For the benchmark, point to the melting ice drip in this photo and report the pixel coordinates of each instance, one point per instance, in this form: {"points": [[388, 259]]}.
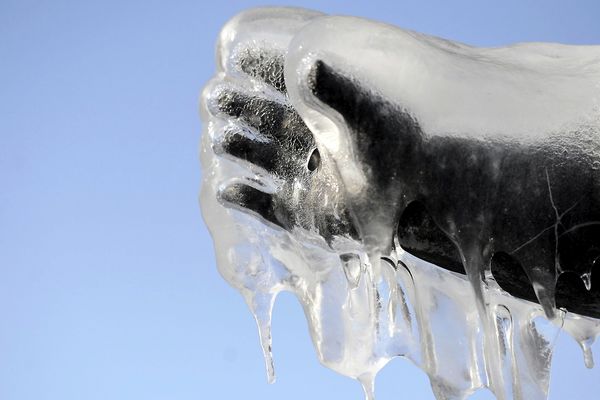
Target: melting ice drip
{"points": [[421, 198]]}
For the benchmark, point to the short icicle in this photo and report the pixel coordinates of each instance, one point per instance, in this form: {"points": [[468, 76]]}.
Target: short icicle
{"points": [[261, 305]]}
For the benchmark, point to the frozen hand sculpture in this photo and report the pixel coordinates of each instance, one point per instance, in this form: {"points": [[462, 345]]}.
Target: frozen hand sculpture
{"points": [[422, 198]]}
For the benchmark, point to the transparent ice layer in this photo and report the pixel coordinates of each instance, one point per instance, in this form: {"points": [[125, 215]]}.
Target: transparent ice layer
{"points": [[421, 198]]}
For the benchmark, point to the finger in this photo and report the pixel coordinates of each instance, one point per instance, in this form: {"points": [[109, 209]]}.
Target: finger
{"points": [[511, 277], [361, 107], [420, 236], [376, 124], [263, 64], [265, 116], [265, 27], [260, 152], [334, 89], [251, 199]]}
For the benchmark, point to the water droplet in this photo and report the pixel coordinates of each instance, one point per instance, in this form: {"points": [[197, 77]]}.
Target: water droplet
{"points": [[587, 280]]}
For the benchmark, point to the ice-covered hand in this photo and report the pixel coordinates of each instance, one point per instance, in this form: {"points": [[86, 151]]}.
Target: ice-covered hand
{"points": [[386, 142], [266, 133]]}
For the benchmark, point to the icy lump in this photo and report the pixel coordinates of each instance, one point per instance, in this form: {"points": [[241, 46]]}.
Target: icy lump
{"points": [[421, 198]]}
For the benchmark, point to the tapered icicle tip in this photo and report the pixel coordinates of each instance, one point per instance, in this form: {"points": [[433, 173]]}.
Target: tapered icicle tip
{"points": [[368, 384], [261, 305], [588, 356], [270, 366], [546, 299], [264, 331]]}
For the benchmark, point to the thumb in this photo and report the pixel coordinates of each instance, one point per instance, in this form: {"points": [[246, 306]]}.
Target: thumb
{"points": [[369, 138]]}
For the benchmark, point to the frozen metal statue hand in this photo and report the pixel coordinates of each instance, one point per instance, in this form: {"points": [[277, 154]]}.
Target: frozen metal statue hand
{"points": [[384, 175], [524, 203]]}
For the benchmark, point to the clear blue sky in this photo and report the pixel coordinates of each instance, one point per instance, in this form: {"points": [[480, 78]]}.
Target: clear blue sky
{"points": [[108, 288]]}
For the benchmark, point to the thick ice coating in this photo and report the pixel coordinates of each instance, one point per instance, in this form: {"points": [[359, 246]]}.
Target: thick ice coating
{"points": [[421, 198]]}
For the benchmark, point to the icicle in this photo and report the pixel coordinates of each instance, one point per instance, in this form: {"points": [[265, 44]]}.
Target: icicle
{"points": [[261, 305], [368, 384], [588, 356], [504, 326], [545, 296], [584, 331]]}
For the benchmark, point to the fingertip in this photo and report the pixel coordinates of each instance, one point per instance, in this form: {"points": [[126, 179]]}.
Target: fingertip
{"points": [[248, 198], [245, 196], [273, 25], [261, 153], [314, 76], [215, 96], [262, 64], [331, 86]]}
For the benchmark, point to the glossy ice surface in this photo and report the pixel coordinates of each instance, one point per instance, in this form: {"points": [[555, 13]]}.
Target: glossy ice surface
{"points": [[421, 198]]}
